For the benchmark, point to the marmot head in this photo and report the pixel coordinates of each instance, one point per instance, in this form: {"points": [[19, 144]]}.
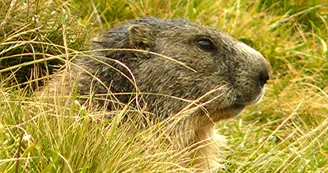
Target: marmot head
{"points": [[227, 74]]}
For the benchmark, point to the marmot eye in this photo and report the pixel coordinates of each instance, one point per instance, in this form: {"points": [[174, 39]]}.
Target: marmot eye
{"points": [[206, 45]]}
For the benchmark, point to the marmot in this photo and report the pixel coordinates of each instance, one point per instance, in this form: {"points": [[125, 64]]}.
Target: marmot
{"points": [[171, 65]]}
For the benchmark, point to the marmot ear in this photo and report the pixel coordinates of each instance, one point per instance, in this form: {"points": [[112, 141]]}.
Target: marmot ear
{"points": [[141, 36]]}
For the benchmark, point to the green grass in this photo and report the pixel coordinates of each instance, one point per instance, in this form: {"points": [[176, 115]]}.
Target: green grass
{"points": [[286, 132]]}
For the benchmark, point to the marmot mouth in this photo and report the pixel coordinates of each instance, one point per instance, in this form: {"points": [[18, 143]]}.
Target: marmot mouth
{"points": [[243, 102], [258, 98], [238, 106], [229, 112]]}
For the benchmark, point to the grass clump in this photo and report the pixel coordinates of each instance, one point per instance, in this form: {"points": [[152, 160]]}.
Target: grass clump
{"points": [[33, 33], [72, 140], [286, 132]]}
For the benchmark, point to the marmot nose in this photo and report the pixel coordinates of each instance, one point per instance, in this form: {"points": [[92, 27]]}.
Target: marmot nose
{"points": [[263, 77]]}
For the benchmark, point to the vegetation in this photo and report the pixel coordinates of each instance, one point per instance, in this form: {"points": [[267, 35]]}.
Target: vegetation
{"points": [[286, 132]]}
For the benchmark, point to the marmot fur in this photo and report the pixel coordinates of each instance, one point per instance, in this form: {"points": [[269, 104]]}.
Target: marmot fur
{"points": [[166, 66]]}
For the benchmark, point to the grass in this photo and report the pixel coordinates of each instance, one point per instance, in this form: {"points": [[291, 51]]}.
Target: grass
{"points": [[286, 132]]}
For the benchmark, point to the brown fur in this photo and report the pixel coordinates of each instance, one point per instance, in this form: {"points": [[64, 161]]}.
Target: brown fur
{"points": [[173, 70]]}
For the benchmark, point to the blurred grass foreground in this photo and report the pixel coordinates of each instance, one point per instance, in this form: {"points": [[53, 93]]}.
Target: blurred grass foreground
{"points": [[286, 132]]}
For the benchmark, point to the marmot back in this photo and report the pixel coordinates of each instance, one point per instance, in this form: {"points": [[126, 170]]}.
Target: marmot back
{"points": [[171, 64]]}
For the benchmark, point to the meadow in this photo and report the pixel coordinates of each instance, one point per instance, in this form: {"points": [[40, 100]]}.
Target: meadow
{"points": [[286, 132]]}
